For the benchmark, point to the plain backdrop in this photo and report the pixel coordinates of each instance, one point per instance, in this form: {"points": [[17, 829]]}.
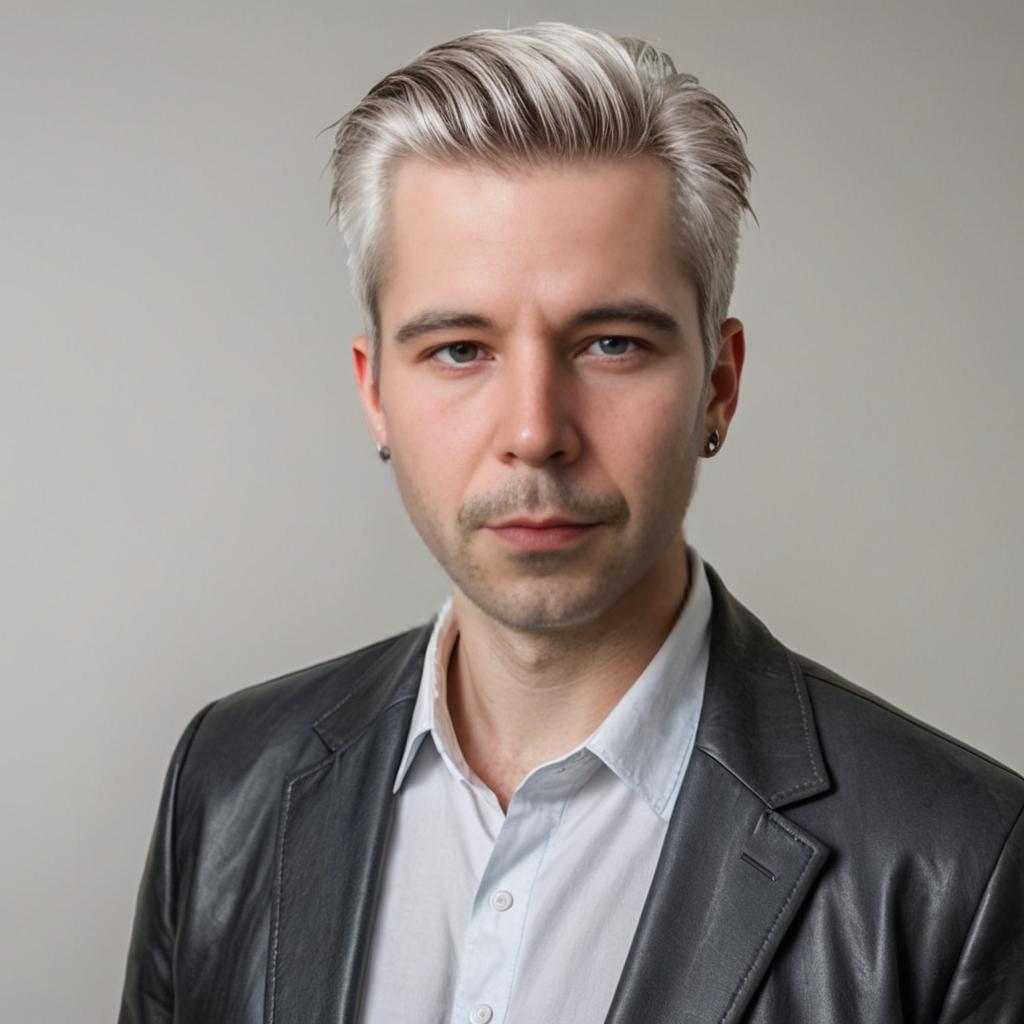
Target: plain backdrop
{"points": [[191, 503]]}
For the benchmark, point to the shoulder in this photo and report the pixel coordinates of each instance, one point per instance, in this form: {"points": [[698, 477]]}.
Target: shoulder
{"points": [[902, 774], [298, 698], [272, 725], [926, 840]]}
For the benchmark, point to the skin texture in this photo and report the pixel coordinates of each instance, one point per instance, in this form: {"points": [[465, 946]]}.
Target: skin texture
{"points": [[534, 414]]}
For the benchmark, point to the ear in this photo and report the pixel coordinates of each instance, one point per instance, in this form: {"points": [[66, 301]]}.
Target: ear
{"points": [[723, 390], [369, 392]]}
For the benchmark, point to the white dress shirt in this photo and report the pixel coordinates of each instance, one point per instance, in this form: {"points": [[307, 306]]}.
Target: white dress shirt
{"points": [[527, 917]]}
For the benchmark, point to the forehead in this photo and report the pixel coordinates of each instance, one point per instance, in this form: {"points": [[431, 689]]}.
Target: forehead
{"points": [[556, 234]]}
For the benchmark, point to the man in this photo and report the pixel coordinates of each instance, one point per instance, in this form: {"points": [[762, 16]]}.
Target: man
{"points": [[595, 787]]}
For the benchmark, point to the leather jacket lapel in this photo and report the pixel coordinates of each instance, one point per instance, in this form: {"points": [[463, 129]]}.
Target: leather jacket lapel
{"points": [[733, 871], [334, 829], [730, 879]]}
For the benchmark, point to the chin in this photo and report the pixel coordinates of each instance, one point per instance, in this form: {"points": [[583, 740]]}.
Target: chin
{"points": [[541, 606]]}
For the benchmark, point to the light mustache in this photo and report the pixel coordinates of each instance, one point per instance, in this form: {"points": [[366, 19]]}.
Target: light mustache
{"points": [[541, 497]]}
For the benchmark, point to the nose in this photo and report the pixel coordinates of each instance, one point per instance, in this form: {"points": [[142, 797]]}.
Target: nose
{"points": [[536, 408]]}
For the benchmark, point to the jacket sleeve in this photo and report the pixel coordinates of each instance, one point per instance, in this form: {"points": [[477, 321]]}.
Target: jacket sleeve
{"points": [[148, 995], [987, 986]]}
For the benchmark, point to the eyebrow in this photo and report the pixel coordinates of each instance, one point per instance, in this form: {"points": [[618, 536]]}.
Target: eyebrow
{"points": [[440, 320], [635, 311]]}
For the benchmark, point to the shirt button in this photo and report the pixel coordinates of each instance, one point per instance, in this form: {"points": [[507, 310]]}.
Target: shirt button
{"points": [[501, 899], [480, 1014]]}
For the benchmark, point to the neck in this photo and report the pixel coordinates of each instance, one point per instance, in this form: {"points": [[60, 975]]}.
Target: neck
{"points": [[519, 699]]}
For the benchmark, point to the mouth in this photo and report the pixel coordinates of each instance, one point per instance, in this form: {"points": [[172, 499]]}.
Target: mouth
{"points": [[547, 534], [538, 524]]}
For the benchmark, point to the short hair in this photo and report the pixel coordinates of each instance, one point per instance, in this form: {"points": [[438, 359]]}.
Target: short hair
{"points": [[548, 92]]}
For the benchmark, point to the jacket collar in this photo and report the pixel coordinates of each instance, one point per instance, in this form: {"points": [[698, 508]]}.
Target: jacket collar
{"points": [[388, 682], [732, 875], [757, 720]]}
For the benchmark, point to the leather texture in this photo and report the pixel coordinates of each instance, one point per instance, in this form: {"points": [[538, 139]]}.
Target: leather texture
{"points": [[829, 859]]}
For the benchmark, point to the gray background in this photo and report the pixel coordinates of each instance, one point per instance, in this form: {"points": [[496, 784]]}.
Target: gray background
{"points": [[191, 503]]}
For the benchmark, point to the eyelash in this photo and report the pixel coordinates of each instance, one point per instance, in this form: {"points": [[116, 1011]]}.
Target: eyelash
{"points": [[635, 342]]}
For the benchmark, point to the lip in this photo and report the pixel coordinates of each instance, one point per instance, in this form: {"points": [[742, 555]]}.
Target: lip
{"points": [[541, 534], [538, 524]]}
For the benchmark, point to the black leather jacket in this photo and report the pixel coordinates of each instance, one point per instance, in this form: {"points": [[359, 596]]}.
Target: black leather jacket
{"points": [[829, 859]]}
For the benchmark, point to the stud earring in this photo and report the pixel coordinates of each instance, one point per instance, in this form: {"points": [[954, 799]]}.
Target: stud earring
{"points": [[384, 452], [713, 444]]}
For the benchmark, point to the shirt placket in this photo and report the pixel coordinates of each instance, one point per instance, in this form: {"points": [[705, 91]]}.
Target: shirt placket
{"points": [[501, 906]]}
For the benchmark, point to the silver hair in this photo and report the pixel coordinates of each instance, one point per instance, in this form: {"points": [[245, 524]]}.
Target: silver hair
{"points": [[513, 97]]}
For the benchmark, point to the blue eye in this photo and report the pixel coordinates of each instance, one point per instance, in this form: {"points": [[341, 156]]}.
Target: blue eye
{"points": [[459, 353], [614, 345]]}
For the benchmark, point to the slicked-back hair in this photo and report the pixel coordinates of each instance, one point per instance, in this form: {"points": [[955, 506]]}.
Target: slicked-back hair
{"points": [[513, 98]]}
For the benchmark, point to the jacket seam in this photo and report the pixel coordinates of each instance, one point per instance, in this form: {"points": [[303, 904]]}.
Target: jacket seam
{"points": [[917, 723], [282, 845], [817, 777], [977, 909], [721, 764], [363, 683], [369, 725], [358, 689], [279, 890]]}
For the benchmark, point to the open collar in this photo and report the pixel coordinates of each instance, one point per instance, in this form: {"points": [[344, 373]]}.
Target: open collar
{"points": [[732, 874], [756, 718], [646, 739]]}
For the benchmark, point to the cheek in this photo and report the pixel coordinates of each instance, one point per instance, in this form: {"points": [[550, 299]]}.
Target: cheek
{"points": [[649, 427], [432, 452], [426, 415], [446, 426], [654, 449]]}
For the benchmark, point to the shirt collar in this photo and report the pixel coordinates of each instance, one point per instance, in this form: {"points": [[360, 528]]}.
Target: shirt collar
{"points": [[430, 714], [648, 736], [645, 740]]}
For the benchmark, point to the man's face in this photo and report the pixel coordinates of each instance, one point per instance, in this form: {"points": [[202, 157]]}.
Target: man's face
{"points": [[540, 364]]}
